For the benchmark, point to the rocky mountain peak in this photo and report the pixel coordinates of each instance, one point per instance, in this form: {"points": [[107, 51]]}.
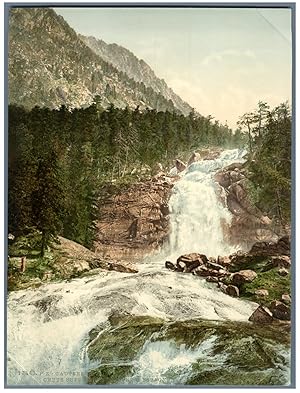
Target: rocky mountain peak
{"points": [[51, 65]]}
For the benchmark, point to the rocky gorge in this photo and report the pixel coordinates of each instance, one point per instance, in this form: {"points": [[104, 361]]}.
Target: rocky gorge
{"points": [[135, 321]]}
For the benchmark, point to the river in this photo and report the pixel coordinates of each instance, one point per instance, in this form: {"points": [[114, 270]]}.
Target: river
{"points": [[155, 327]]}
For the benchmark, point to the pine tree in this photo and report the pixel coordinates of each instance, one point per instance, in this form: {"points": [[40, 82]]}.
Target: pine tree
{"points": [[48, 199]]}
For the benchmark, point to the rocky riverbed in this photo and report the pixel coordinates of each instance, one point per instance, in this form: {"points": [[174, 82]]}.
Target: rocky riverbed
{"points": [[261, 275]]}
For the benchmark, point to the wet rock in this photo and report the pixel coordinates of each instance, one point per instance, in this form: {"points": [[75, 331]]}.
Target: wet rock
{"points": [[224, 261], [232, 290], [170, 265], [261, 293], [280, 310], [180, 165], [285, 298], [189, 267], [212, 279], [213, 265], [222, 286], [223, 178], [179, 269], [223, 272], [194, 158], [191, 261], [243, 276], [122, 268], [261, 315], [201, 271], [283, 272], [47, 302]]}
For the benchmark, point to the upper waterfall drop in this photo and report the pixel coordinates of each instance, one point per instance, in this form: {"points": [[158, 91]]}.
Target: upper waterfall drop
{"points": [[197, 216]]}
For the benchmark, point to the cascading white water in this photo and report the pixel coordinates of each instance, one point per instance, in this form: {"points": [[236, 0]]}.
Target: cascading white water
{"points": [[48, 327], [197, 214]]}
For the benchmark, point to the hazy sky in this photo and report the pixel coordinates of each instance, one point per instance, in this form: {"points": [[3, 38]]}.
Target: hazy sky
{"points": [[221, 61]]}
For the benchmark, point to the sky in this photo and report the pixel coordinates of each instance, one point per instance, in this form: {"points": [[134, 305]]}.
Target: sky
{"points": [[221, 61]]}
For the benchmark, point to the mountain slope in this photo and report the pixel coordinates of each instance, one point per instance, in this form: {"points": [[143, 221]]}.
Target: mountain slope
{"points": [[49, 65], [137, 69]]}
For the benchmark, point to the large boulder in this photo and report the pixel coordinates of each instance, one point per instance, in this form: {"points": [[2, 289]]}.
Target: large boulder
{"points": [[223, 178], [180, 166], [282, 247], [232, 290], [194, 158], [261, 315], [170, 265], [280, 310], [243, 276], [122, 268], [191, 261], [224, 261]]}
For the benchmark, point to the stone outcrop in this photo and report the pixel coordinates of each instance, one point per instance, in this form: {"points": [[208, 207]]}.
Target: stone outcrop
{"points": [[73, 70], [280, 310], [75, 259], [135, 221], [249, 224], [269, 252], [281, 247], [243, 276], [188, 262], [261, 315]]}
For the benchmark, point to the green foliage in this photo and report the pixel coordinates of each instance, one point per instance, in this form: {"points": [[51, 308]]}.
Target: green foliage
{"points": [[60, 160], [270, 280], [26, 245], [269, 164]]}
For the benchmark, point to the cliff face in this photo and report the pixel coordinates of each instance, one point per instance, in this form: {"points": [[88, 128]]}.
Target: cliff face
{"points": [[134, 222], [249, 224], [49, 65], [125, 61]]}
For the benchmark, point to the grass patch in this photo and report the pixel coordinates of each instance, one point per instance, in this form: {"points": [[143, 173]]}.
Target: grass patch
{"points": [[270, 280]]}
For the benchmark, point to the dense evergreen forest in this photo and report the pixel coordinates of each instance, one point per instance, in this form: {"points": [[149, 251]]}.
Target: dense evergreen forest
{"points": [[60, 160], [269, 139]]}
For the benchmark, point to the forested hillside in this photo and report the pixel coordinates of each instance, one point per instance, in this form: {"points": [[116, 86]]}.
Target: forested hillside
{"points": [[137, 69], [49, 65], [59, 160], [270, 142]]}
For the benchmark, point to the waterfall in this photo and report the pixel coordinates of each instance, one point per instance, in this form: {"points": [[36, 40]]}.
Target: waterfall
{"points": [[197, 214], [49, 340]]}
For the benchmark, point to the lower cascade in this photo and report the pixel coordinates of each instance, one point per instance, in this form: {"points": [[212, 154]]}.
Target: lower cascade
{"points": [[153, 327]]}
